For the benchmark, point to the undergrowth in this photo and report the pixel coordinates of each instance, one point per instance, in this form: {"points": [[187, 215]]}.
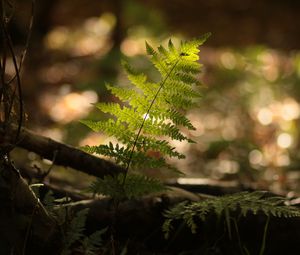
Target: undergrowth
{"points": [[148, 115], [243, 202]]}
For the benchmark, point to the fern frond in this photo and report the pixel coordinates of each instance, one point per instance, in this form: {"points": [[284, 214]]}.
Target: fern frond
{"points": [[245, 202], [150, 143], [91, 244], [181, 102], [124, 114], [111, 128], [118, 153], [139, 185], [190, 49], [150, 111], [75, 230], [108, 186], [94, 125], [179, 119], [189, 67], [171, 47], [150, 50], [186, 78], [178, 87], [121, 154], [159, 128], [135, 186]]}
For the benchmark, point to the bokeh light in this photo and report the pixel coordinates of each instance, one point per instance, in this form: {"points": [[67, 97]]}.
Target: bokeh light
{"points": [[284, 140], [265, 116]]}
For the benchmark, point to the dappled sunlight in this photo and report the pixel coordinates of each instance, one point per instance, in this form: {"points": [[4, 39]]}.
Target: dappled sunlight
{"points": [[246, 122], [205, 181], [270, 64], [93, 139], [290, 109], [71, 106], [256, 158], [212, 121], [92, 38], [286, 110], [220, 168], [265, 116], [228, 166], [229, 128], [119, 111], [284, 140], [283, 159], [57, 38], [56, 134], [228, 60], [197, 122], [59, 72], [132, 47]]}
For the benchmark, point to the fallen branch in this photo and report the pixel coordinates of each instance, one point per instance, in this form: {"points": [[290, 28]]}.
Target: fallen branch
{"points": [[61, 154], [140, 221], [26, 227]]}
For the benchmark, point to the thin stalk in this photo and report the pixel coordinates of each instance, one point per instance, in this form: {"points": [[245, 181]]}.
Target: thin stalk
{"points": [[23, 55], [144, 120], [15, 64], [3, 63], [263, 245]]}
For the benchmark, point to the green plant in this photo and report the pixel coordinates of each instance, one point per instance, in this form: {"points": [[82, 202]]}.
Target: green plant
{"points": [[88, 245], [72, 225], [243, 202], [149, 113]]}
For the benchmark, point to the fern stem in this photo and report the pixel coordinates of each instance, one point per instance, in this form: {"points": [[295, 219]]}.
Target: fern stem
{"points": [[263, 245], [144, 119]]}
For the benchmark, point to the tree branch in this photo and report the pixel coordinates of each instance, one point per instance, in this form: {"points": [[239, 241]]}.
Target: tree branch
{"points": [[26, 227], [61, 154]]}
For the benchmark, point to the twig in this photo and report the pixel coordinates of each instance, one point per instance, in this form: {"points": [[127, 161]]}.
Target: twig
{"points": [[65, 155]]}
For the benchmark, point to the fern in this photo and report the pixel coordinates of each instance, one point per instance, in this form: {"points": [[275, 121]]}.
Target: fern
{"points": [[134, 186], [245, 202], [88, 245], [49, 201], [149, 114], [91, 244], [75, 230]]}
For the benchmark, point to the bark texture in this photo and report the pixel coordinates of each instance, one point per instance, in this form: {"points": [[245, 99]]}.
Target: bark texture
{"points": [[59, 153], [26, 227]]}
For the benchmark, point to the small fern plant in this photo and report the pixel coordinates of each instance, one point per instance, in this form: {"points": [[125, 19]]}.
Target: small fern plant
{"points": [[72, 226], [148, 114], [74, 233], [242, 202]]}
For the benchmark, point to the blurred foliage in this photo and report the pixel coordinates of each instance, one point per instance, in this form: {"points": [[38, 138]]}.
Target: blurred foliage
{"points": [[247, 121], [249, 114]]}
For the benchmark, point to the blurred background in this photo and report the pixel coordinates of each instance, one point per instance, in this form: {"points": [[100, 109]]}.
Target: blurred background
{"points": [[247, 121]]}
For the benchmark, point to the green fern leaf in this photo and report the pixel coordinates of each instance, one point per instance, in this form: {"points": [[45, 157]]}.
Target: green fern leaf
{"points": [[75, 230], [140, 185], [134, 186], [171, 47], [150, 50], [244, 202], [91, 244], [149, 113]]}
